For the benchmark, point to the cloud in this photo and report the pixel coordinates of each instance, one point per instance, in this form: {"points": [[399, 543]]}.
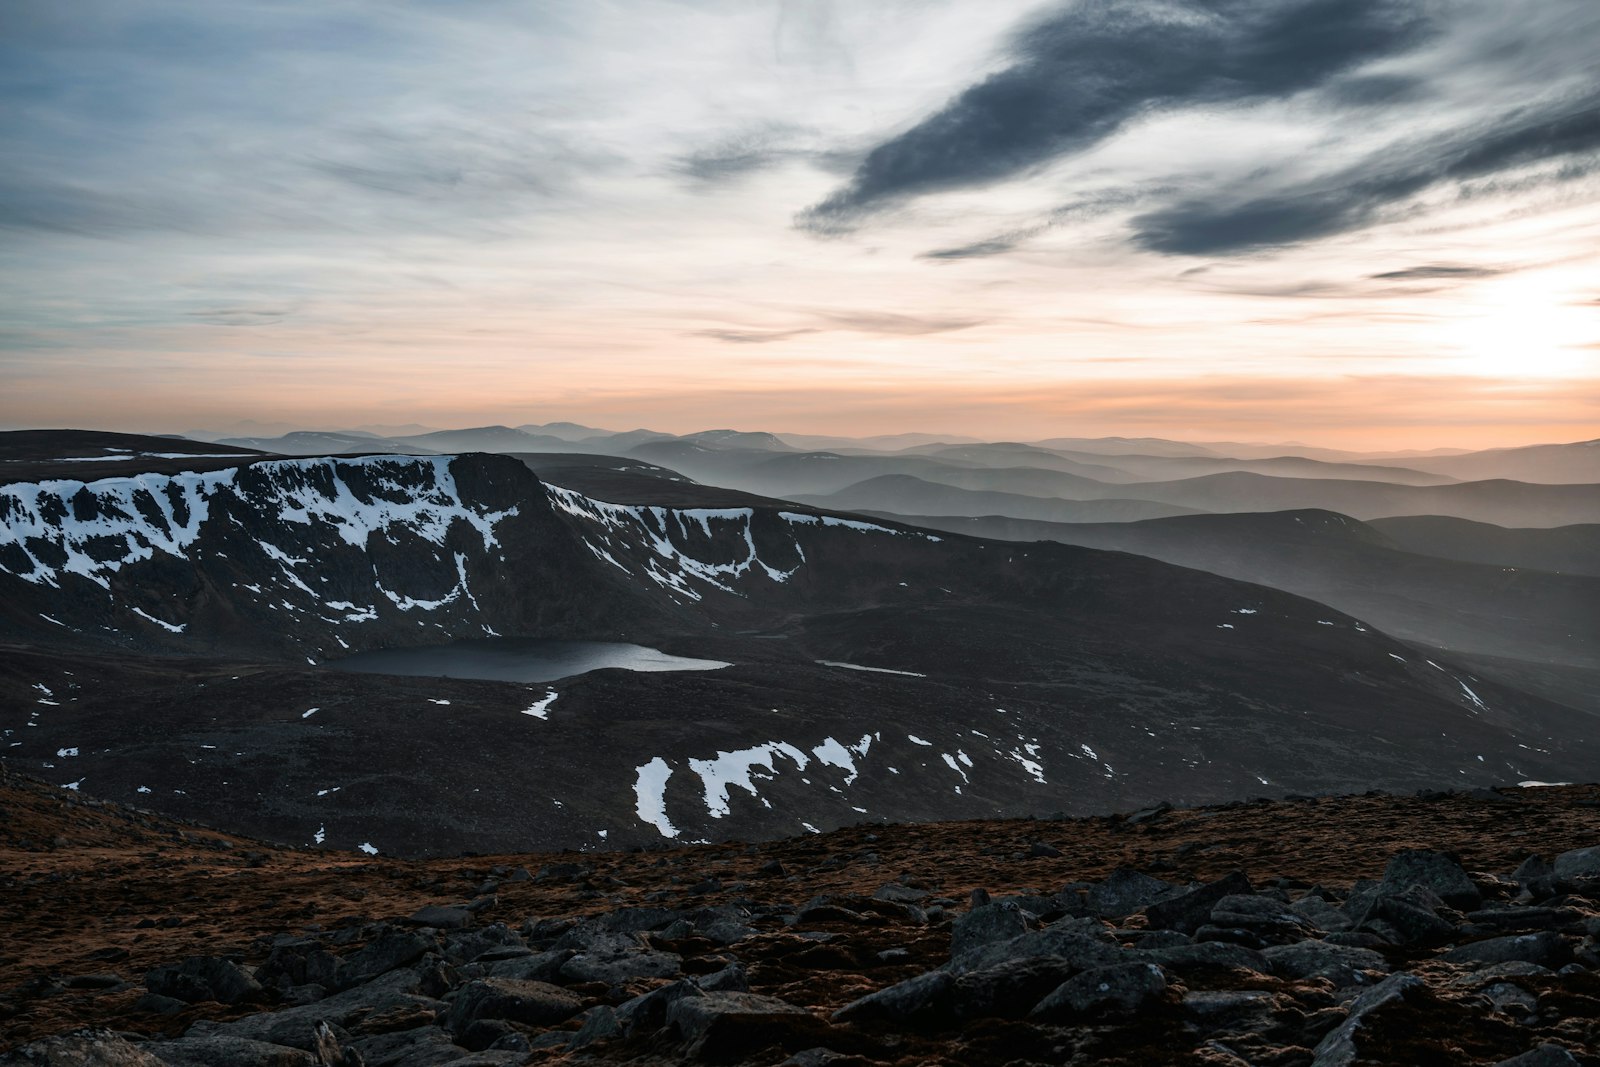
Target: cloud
{"points": [[908, 325], [1358, 196], [740, 154], [994, 246], [751, 337], [1434, 271], [1082, 74], [882, 322]]}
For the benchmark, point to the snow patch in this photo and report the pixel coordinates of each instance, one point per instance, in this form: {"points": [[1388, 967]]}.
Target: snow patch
{"points": [[874, 670], [734, 769], [541, 707], [649, 790]]}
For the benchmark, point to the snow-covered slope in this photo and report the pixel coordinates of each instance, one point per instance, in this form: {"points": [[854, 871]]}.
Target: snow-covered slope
{"points": [[319, 554]]}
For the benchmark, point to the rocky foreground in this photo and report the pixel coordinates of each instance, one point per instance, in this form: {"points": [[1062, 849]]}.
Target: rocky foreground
{"points": [[1446, 928]]}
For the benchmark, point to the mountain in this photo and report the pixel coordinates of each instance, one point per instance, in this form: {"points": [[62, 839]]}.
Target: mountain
{"points": [[1561, 549], [567, 431], [1142, 446], [901, 494], [326, 443], [1500, 502], [31, 455], [1464, 607], [484, 439], [892, 442], [1578, 462], [168, 641], [736, 439]]}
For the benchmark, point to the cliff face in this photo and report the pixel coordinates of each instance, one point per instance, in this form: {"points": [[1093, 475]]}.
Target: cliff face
{"points": [[305, 556]]}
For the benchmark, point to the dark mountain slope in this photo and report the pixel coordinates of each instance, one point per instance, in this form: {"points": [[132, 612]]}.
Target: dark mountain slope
{"points": [[1561, 549], [877, 671], [1526, 614]]}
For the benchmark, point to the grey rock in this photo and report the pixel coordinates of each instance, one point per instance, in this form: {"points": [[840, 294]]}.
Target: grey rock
{"points": [[218, 1050], [1543, 1056], [900, 894], [423, 1046], [296, 1026], [1008, 990], [1117, 992], [1340, 1048], [1208, 955], [1342, 965], [1215, 1006], [1319, 912], [1547, 949], [1577, 869], [1071, 943], [390, 950], [925, 998], [1408, 915], [81, 1048], [201, 978], [1511, 999], [600, 1023], [619, 965], [532, 1003], [731, 979], [540, 967], [1124, 891], [649, 1012], [696, 1017], [1190, 909], [1436, 872], [986, 924]]}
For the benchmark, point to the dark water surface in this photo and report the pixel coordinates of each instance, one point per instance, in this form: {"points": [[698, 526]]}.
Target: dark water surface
{"points": [[516, 659]]}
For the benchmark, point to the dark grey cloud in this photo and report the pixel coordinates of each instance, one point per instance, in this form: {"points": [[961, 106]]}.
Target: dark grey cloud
{"points": [[1355, 197], [994, 246], [1432, 271], [1081, 74]]}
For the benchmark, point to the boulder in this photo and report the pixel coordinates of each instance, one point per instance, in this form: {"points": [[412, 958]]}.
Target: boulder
{"points": [[986, 924], [1341, 1046], [1190, 909], [1116, 992], [1577, 869], [1204, 956], [1543, 1056], [441, 917], [1124, 891], [1436, 872], [220, 1050], [82, 1048], [530, 1003], [1546, 949], [1343, 965], [924, 999], [201, 978], [1008, 990], [390, 950], [1071, 943]]}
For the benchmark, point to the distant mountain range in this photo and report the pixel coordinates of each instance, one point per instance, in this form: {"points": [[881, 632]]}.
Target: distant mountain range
{"points": [[168, 637]]}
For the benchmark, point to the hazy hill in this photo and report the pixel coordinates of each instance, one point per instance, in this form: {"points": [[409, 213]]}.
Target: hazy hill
{"points": [[905, 495], [1525, 614], [326, 443], [1564, 463], [1560, 549]]}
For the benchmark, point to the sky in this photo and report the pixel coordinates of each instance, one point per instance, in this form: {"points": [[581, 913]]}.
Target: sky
{"points": [[1358, 223]]}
